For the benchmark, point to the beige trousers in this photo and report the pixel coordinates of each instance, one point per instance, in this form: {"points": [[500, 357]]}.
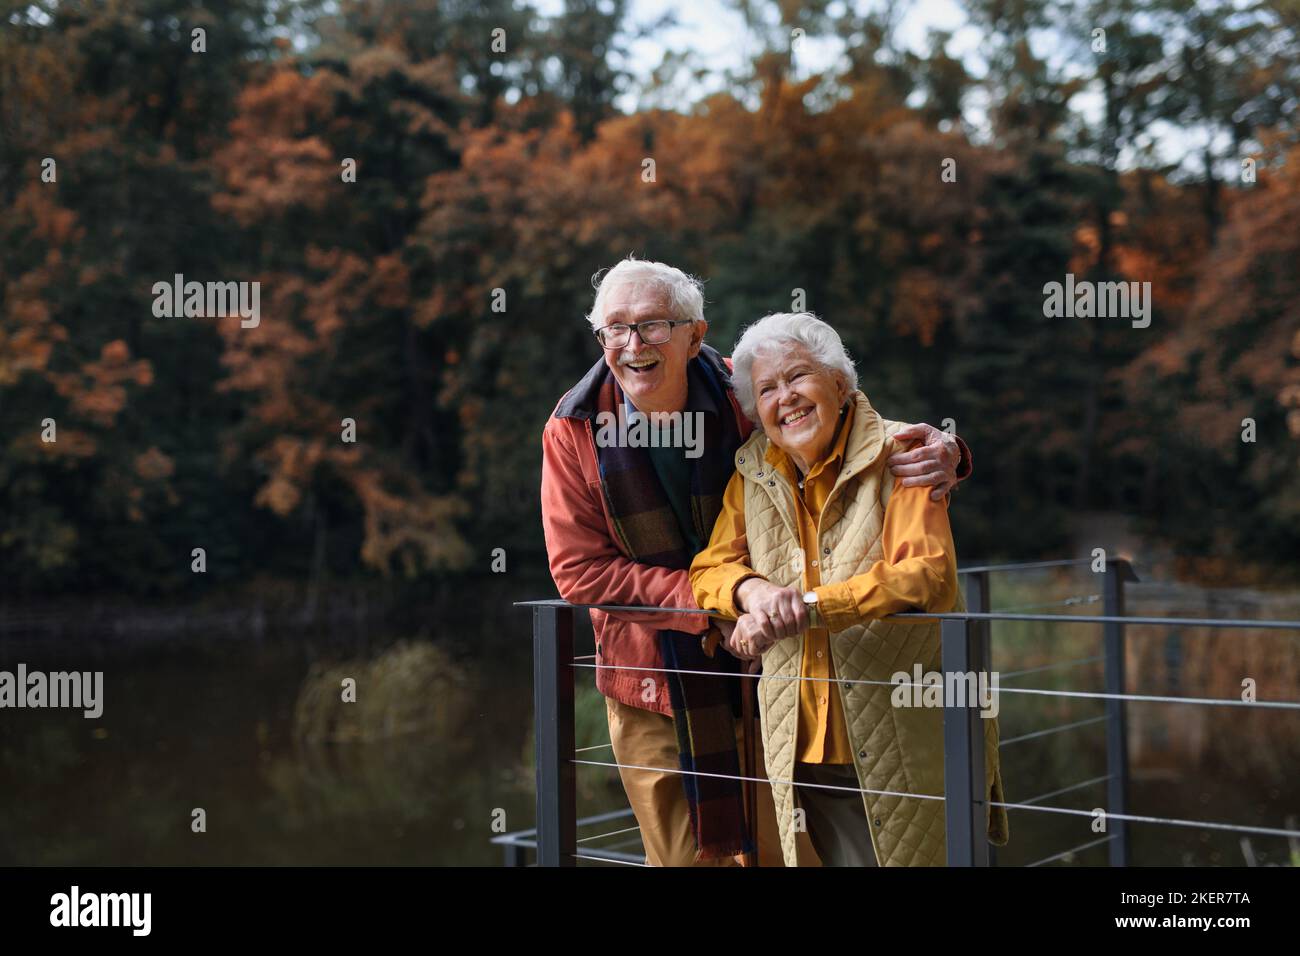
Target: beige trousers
{"points": [[647, 739]]}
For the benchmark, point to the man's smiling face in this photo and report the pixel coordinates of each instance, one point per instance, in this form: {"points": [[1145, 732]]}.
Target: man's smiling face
{"points": [[652, 376]]}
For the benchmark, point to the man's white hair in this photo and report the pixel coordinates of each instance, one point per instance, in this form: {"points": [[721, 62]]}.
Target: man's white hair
{"points": [[685, 293], [775, 333]]}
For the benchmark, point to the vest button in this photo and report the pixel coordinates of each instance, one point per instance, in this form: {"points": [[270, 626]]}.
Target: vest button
{"points": [[826, 551], [741, 460], [771, 484], [877, 821]]}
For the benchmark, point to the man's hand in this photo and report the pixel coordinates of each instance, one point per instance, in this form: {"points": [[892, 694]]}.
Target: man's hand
{"points": [[933, 462], [777, 612]]}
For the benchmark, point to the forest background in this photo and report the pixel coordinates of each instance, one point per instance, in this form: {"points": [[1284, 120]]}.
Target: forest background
{"points": [[1168, 153]]}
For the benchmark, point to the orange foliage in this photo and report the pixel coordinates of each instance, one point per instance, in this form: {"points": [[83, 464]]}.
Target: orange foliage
{"points": [[269, 167]]}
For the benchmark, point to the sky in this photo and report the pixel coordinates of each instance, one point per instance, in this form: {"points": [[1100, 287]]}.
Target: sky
{"points": [[715, 33]]}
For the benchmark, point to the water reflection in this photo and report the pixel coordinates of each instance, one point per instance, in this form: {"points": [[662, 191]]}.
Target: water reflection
{"points": [[259, 737], [395, 752]]}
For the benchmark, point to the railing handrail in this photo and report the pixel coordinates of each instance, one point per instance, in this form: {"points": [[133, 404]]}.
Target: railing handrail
{"points": [[965, 616], [1033, 565], [1094, 619]]}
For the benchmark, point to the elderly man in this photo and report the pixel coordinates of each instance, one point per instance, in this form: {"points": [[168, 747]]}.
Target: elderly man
{"points": [[623, 520]]}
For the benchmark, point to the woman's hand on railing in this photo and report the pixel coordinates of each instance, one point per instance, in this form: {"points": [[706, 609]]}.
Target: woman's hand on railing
{"points": [[778, 612], [741, 642], [724, 627], [748, 631]]}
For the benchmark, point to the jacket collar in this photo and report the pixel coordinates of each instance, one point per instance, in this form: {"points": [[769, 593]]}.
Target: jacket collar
{"points": [[865, 442], [581, 400]]}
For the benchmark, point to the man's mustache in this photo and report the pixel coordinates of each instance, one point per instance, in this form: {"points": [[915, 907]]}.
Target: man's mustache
{"points": [[623, 358]]}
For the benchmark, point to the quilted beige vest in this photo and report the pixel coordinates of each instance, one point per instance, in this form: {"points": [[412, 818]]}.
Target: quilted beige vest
{"points": [[896, 749]]}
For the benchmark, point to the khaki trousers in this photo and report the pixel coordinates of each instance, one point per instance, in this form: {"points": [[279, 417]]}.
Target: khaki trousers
{"points": [[648, 739]]}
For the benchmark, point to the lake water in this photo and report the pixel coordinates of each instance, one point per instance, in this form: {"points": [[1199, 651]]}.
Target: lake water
{"points": [[250, 728]]}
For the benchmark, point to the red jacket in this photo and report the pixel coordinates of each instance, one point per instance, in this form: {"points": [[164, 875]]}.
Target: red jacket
{"points": [[586, 562]]}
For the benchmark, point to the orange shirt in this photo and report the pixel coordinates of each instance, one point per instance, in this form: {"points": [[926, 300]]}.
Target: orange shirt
{"points": [[918, 569]]}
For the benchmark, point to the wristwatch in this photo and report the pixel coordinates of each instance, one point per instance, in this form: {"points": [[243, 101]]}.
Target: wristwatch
{"points": [[810, 602]]}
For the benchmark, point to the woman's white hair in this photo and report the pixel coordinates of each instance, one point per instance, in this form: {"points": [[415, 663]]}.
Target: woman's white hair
{"points": [[685, 293], [775, 333]]}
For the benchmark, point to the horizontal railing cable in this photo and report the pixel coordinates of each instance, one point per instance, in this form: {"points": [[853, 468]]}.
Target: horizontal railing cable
{"points": [[1052, 730], [729, 776], [1144, 698], [1156, 698], [1076, 662], [1074, 786], [632, 841], [1165, 821], [917, 616], [1026, 566], [913, 617], [605, 859], [1129, 817], [1065, 853], [520, 837], [601, 836]]}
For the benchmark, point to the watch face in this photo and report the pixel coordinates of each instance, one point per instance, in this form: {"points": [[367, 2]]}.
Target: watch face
{"points": [[810, 597]]}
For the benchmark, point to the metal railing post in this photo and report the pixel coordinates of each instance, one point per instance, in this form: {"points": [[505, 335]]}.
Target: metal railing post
{"points": [[978, 602], [557, 796], [515, 855], [1117, 572], [965, 798]]}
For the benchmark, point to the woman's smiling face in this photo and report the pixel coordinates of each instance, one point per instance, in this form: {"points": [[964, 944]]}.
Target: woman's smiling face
{"points": [[799, 401]]}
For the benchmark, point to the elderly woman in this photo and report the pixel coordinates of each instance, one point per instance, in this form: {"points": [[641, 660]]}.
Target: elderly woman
{"points": [[814, 544]]}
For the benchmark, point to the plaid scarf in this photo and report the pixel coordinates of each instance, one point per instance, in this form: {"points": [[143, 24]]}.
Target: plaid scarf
{"points": [[704, 707]]}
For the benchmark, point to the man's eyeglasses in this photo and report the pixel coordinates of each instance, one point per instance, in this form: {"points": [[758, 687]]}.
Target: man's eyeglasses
{"points": [[652, 332]]}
